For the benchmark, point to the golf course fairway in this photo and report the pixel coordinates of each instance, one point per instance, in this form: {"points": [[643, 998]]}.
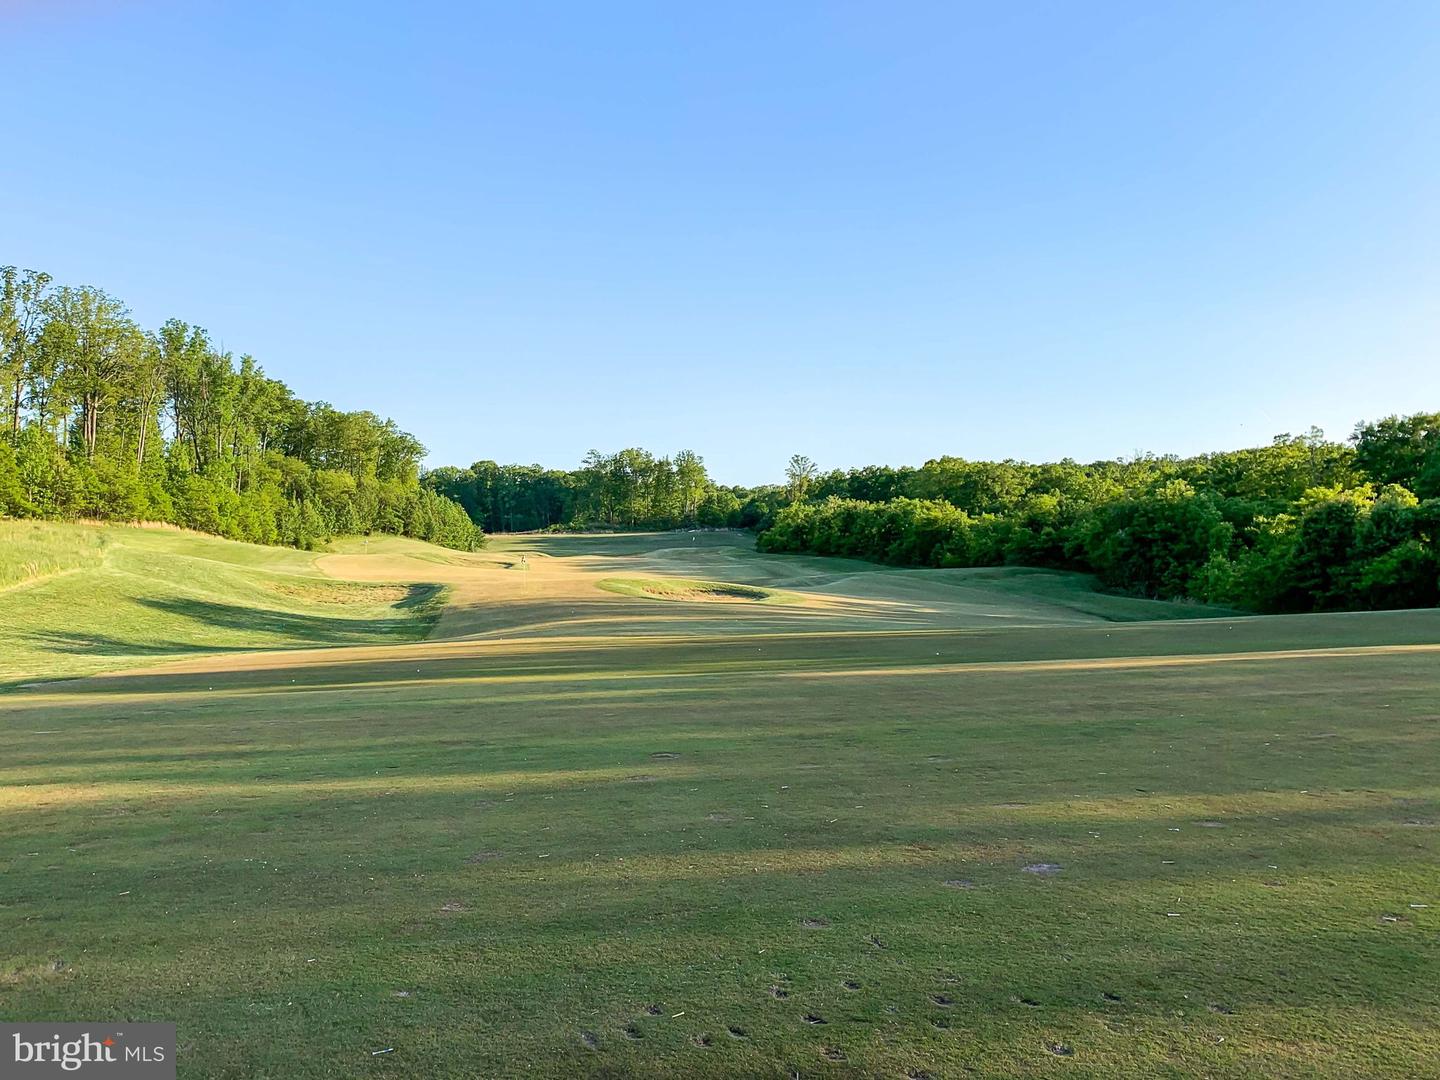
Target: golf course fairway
{"points": [[399, 811]]}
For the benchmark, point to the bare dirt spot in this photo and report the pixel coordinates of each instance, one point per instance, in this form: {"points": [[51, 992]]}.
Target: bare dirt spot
{"points": [[1042, 869], [1211, 824], [632, 1032], [401, 993], [1059, 1049], [814, 923], [851, 985], [664, 755], [702, 1042], [941, 1000], [832, 1053], [1221, 1008], [811, 1018], [779, 993], [344, 592], [959, 883], [640, 778], [737, 1032], [721, 818], [590, 1040], [687, 589], [877, 942], [483, 856], [653, 1010], [450, 907]]}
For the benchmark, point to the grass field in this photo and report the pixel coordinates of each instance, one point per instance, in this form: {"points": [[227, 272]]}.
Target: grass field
{"points": [[85, 598], [911, 823]]}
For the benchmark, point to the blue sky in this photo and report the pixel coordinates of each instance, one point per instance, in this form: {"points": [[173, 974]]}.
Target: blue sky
{"points": [[866, 232]]}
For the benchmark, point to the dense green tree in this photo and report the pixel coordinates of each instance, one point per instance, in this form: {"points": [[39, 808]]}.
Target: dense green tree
{"points": [[1402, 450], [1302, 524], [22, 309], [107, 421]]}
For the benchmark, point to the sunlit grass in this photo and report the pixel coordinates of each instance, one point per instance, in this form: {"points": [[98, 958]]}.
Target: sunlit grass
{"points": [[87, 598], [482, 853]]}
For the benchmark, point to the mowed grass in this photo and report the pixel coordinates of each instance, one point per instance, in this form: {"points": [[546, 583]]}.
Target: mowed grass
{"points": [[691, 589], [84, 598], [1095, 849]]}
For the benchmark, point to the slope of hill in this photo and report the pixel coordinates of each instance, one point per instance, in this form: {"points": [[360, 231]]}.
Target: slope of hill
{"points": [[84, 598]]}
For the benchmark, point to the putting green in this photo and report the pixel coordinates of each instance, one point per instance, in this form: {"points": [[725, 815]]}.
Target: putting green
{"points": [[920, 823]]}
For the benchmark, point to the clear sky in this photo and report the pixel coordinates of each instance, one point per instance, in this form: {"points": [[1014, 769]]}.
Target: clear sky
{"points": [[872, 232]]}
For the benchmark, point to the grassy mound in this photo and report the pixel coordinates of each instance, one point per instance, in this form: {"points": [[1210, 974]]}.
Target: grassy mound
{"points": [[693, 590], [87, 598]]}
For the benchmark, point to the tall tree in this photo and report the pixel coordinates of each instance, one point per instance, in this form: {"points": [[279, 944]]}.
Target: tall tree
{"points": [[800, 473], [22, 309], [96, 345]]}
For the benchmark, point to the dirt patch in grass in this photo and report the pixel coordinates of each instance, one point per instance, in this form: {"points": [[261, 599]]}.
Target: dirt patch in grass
{"points": [[691, 589], [360, 594]]}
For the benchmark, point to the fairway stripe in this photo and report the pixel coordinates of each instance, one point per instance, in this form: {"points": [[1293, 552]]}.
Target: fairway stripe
{"points": [[1122, 663]]}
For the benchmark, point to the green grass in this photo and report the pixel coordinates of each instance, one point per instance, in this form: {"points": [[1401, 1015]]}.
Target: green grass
{"points": [[481, 853], [87, 598]]}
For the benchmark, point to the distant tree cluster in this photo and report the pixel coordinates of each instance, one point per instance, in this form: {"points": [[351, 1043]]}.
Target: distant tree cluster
{"points": [[1301, 525], [629, 489], [105, 420]]}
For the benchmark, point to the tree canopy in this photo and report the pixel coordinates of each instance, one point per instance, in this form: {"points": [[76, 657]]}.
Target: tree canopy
{"points": [[106, 420], [1303, 524]]}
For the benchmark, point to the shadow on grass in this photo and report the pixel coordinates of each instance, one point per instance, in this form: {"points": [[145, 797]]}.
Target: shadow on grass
{"points": [[252, 628]]}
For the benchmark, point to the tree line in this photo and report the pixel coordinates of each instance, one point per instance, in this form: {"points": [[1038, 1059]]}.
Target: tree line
{"points": [[628, 489], [103, 419], [1304, 524], [100, 418]]}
